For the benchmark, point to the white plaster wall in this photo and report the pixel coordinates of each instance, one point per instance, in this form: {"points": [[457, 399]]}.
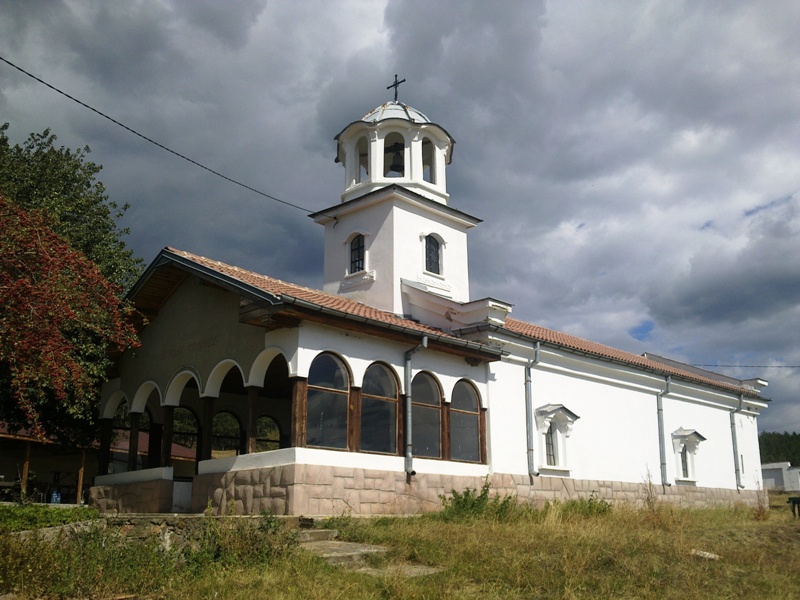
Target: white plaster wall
{"points": [[359, 351], [505, 419], [747, 439]]}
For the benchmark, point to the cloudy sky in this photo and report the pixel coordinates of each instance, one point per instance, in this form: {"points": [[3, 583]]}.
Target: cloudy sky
{"points": [[636, 164]]}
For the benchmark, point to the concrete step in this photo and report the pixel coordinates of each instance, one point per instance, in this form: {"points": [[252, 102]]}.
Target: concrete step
{"points": [[342, 553], [316, 535]]}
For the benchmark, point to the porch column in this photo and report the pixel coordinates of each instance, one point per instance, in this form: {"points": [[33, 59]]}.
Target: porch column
{"points": [[104, 454], [206, 426], [133, 441], [166, 437], [251, 426], [154, 446], [299, 412]]}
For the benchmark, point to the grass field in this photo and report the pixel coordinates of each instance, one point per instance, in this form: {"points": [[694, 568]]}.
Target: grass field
{"points": [[484, 548]]}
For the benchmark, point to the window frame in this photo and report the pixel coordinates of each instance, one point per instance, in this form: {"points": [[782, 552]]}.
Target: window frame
{"points": [[361, 254], [429, 240], [345, 394], [386, 399], [685, 443], [477, 414], [554, 422]]}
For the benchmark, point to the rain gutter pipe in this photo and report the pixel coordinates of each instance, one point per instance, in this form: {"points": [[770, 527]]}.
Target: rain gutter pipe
{"points": [[409, 467], [662, 448], [532, 472], [736, 465]]}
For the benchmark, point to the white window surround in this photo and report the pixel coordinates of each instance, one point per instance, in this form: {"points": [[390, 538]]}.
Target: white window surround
{"points": [[347, 252], [554, 423], [685, 443], [442, 245]]}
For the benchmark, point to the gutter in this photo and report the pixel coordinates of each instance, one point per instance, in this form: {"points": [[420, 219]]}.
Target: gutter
{"points": [[532, 472], [662, 446], [736, 465], [409, 439]]}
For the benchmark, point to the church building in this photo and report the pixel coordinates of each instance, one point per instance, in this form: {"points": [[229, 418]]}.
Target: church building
{"points": [[391, 386]]}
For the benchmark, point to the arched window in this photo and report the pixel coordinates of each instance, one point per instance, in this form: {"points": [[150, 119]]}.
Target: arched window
{"points": [[426, 402], [394, 156], [185, 426], [432, 255], [357, 254], [268, 434], [362, 148], [465, 432], [379, 411], [327, 396], [554, 423], [226, 435], [428, 161]]}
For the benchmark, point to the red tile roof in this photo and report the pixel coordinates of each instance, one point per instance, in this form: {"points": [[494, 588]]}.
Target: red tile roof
{"points": [[574, 343], [286, 292]]}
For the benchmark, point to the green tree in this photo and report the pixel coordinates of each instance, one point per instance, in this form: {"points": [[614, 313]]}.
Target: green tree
{"points": [[61, 182], [59, 317]]}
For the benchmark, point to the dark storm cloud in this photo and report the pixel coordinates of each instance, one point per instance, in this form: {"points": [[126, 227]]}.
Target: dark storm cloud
{"points": [[635, 163]]}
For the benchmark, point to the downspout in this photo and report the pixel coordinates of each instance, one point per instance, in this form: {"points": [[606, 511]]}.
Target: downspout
{"points": [[662, 447], [531, 438], [408, 437], [739, 485]]}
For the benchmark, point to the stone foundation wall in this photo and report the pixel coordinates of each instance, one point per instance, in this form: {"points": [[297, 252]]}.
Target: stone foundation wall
{"points": [[315, 490], [140, 497]]}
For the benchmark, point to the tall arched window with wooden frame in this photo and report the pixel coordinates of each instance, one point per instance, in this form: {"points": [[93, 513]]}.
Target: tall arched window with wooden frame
{"points": [[465, 423], [426, 419], [357, 255], [433, 255], [379, 402], [327, 395]]}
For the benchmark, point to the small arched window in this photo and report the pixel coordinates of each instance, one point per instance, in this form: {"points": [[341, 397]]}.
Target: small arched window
{"points": [[428, 161], [226, 435], [357, 254], [327, 395], [362, 148], [433, 263], [465, 432], [394, 156], [379, 411], [426, 401]]}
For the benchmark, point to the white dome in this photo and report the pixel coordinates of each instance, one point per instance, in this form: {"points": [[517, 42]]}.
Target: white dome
{"points": [[395, 110]]}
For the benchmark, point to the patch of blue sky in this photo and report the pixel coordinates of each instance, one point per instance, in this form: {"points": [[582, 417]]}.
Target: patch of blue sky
{"points": [[642, 331]]}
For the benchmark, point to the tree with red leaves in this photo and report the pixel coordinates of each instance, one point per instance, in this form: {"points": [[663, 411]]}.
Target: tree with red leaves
{"points": [[58, 317]]}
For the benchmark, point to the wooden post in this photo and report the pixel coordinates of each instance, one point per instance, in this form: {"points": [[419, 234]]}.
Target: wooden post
{"points": [[206, 429], [154, 446], [251, 427], [25, 468], [104, 455], [80, 477], [133, 441], [166, 436], [299, 412]]}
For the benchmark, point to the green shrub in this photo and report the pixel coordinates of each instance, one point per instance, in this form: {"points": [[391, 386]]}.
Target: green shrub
{"points": [[23, 517], [471, 504]]}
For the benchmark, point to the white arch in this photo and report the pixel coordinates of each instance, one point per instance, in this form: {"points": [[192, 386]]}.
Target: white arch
{"points": [[141, 396], [218, 373], [258, 370], [111, 404], [177, 383]]}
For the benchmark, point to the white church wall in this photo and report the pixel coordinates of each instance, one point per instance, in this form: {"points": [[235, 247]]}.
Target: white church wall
{"points": [[749, 451], [505, 419]]}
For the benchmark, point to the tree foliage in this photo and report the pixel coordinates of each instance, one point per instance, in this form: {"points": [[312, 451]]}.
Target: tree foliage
{"points": [[59, 317], [779, 447], [61, 182]]}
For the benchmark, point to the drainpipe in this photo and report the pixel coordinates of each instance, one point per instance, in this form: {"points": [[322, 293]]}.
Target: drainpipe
{"points": [[529, 412], [739, 485], [408, 437], [662, 448]]}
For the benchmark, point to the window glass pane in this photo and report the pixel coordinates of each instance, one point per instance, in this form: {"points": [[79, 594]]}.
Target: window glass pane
{"points": [[432, 254], [378, 425], [378, 381], [424, 390], [464, 397], [357, 254], [464, 437], [425, 431], [327, 419], [550, 446], [327, 372]]}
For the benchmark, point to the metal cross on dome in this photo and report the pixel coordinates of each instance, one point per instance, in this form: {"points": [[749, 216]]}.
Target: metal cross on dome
{"points": [[395, 85]]}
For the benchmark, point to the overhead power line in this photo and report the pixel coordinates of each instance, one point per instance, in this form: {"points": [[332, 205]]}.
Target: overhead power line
{"points": [[152, 141]]}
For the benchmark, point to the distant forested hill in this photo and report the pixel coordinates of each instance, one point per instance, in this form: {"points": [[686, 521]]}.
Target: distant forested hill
{"points": [[780, 447]]}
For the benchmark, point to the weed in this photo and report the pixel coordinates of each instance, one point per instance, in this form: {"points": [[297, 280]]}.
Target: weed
{"points": [[471, 504]]}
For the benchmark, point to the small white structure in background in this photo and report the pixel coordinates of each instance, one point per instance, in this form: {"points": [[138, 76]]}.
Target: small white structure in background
{"points": [[781, 476], [392, 386]]}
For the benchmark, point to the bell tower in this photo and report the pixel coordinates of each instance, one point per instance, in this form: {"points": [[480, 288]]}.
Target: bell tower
{"points": [[393, 229]]}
